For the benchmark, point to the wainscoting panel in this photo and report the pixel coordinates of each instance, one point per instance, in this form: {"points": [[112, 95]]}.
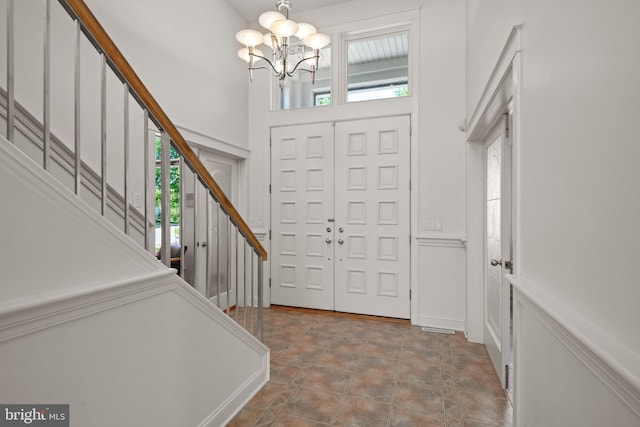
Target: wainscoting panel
{"points": [[442, 282], [566, 372]]}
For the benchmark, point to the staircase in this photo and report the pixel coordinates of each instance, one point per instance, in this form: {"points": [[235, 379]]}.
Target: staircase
{"points": [[89, 316]]}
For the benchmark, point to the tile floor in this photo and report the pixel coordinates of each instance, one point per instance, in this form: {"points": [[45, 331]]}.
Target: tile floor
{"points": [[333, 370]]}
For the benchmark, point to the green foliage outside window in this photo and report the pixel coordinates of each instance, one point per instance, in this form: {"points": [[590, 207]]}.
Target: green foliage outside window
{"points": [[174, 186]]}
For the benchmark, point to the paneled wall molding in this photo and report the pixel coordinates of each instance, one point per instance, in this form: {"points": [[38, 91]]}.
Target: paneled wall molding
{"points": [[16, 163], [21, 317], [28, 126], [441, 241], [201, 140], [491, 90], [608, 359]]}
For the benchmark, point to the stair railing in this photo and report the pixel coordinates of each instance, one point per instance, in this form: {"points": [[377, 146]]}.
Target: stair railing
{"points": [[239, 301]]}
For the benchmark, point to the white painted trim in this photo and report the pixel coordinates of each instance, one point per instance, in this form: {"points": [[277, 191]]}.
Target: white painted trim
{"points": [[21, 317], [495, 84], [617, 366], [442, 241], [502, 87], [443, 322], [211, 143], [223, 415], [37, 314]]}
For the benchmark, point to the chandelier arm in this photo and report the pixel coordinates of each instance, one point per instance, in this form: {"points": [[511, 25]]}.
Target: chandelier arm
{"points": [[290, 74], [271, 67]]}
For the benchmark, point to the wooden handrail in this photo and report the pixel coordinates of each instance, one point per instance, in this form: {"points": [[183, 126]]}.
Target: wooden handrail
{"points": [[99, 36]]}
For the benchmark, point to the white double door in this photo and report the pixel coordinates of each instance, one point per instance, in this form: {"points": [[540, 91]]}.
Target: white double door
{"points": [[341, 216]]}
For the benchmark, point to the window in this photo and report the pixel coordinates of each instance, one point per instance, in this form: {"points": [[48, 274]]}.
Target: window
{"points": [[378, 67], [174, 200], [299, 91]]}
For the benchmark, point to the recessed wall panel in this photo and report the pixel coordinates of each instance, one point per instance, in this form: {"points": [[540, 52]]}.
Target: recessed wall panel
{"points": [[387, 212], [288, 180], [315, 245], [357, 144], [288, 244], [388, 141], [315, 278], [288, 149], [356, 281], [287, 276], [388, 284], [357, 212], [388, 177], [288, 212], [315, 147], [357, 246], [315, 179], [388, 248], [315, 212], [357, 178]]}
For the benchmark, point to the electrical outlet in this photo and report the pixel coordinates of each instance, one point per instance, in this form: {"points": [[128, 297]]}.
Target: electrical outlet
{"points": [[432, 225]]}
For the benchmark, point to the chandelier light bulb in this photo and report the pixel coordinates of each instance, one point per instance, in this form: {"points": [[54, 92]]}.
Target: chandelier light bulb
{"points": [[249, 37], [284, 59], [317, 40], [244, 54], [284, 28], [268, 18], [305, 30]]}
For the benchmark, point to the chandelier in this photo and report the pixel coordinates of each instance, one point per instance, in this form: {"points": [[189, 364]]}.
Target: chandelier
{"points": [[305, 54]]}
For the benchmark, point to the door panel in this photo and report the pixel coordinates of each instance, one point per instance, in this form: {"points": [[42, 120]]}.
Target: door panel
{"points": [[373, 217], [360, 262], [301, 210], [498, 247]]}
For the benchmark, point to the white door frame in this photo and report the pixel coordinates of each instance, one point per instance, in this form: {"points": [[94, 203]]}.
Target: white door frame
{"points": [[201, 203], [503, 87], [413, 194]]}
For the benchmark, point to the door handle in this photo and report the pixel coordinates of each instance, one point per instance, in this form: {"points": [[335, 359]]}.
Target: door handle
{"points": [[508, 265], [340, 241], [328, 240]]}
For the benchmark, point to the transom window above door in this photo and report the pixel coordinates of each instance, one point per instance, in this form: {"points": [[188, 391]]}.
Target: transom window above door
{"points": [[366, 65], [377, 67]]}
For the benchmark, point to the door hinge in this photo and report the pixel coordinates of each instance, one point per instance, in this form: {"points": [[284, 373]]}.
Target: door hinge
{"points": [[269, 234], [507, 125], [409, 185], [410, 296], [506, 376], [269, 188], [269, 282]]}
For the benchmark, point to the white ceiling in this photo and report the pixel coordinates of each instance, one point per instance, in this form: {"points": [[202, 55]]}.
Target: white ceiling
{"points": [[251, 9]]}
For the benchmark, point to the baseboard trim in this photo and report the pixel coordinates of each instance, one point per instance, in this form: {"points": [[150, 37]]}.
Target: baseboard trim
{"points": [[441, 322], [615, 365]]}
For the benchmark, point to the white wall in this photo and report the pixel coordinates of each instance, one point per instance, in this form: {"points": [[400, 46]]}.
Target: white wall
{"points": [[185, 53], [438, 155], [579, 200]]}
